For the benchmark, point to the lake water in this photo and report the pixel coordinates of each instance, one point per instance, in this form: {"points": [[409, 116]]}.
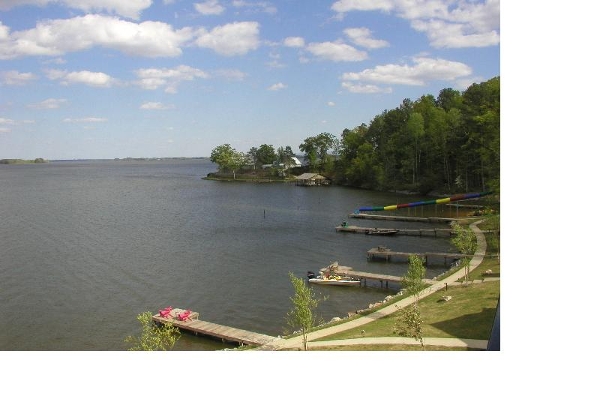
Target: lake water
{"points": [[86, 246]]}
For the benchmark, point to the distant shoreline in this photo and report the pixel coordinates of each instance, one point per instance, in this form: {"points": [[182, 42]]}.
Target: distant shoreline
{"points": [[21, 161]]}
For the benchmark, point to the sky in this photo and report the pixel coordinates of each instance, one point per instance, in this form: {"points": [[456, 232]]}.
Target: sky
{"points": [[103, 79]]}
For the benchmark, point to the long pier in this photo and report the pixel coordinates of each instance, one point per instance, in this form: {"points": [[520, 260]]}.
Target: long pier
{"points": [[225, 333], [363, 276], [446, 232], [387, 254], [437, 220]]}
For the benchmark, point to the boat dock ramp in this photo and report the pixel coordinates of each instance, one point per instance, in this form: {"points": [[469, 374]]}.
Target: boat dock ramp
{"points": [[205, 328]]}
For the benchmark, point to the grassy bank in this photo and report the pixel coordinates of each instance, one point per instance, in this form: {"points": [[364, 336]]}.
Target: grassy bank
{"points": [[469, 314]]}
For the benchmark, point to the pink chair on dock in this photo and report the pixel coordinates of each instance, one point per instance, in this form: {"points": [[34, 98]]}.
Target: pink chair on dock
{"points": [[166, 313], [184, 315]]}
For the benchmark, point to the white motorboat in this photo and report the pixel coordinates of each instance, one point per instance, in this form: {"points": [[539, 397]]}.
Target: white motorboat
{"points": [[334, 280]]}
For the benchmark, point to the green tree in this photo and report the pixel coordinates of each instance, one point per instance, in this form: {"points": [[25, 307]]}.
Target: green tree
{"points": [[415, 126], [364, 170], [316, 147], [266, 154], [410, 322], [227, 158], [449, 99], [451, 143], [481, 127], [466, 242], [252, 156], [284, 155], [153, 337], [413, 280], [302, 315]]}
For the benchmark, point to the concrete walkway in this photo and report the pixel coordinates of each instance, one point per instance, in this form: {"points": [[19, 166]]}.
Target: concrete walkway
{"points": [[296, 342], [445, 342]]}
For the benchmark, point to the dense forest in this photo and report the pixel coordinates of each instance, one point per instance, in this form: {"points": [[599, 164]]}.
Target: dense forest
{"points": [[446, 144]]}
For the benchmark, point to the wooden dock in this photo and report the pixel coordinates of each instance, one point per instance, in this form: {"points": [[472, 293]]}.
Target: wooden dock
{"points": [[387, 254], [437, 220], [363, 276], [353, 229], [225, 333], [445, 232]]}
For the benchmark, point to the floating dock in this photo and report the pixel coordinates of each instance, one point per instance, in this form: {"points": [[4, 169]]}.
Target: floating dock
{"points": [[225, 333], [387, 254], [444, 232], [363, 276]]}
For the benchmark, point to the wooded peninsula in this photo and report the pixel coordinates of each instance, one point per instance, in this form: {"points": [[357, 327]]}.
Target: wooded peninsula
{"points": [[449, 143]]}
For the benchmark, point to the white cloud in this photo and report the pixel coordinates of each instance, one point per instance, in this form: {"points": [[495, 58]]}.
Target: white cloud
{"points": [[232, 39], [85, 120], [210, 7], [421, 72], [16, 78], [293, 41], [274, 60], [336, 51], [126, 8], [4, 32], [330, 103], [48, 104], [156, 105], [6, 121], [447, 23], [443, 34], [277, 86], [344, 6], [231, 74], [364, 88], [260, 6], [362, 37], [57, 61], [57, 37], [170, 78], [96, 79]]}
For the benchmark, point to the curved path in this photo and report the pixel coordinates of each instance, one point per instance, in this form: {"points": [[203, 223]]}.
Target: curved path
{"points": [[296, 342]]}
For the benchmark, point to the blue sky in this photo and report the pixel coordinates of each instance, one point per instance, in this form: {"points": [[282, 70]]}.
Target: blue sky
{"points": [[174, 78]]}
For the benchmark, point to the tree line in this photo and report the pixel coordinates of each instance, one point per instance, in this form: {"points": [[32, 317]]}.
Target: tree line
{"points": [[446, 143]]}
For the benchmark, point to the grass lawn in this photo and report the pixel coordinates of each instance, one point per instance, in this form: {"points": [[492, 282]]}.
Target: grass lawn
{"points": [[390, 347], [468, 315]]}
